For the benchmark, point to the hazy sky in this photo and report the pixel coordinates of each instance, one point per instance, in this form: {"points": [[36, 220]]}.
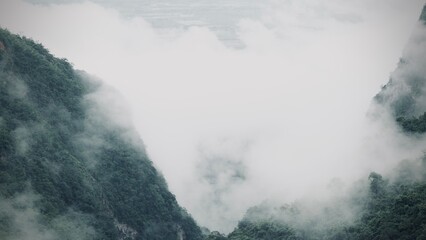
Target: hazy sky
{"points": [[239, 101]]}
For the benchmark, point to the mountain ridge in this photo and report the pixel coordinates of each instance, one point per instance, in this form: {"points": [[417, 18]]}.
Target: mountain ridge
{"points": [[67, 164], [72, 164]]}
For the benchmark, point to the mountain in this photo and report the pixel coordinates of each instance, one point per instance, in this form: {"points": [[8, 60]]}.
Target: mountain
{"points": [[404, 96], [69, 167], [378, 207], [73, 167], [388, 210]]}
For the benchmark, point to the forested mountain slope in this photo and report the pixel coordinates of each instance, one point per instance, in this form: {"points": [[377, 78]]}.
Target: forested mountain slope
{"points": [[72, 168], [69, 170], [404, 96], [378, 207]]}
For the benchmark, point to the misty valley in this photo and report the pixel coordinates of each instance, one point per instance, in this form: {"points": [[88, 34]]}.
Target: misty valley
{"points": [[73, 165]]}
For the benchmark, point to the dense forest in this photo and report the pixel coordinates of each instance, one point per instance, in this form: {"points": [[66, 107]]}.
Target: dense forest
{"points": [[387, 210], [70, 171], [64, 165]]}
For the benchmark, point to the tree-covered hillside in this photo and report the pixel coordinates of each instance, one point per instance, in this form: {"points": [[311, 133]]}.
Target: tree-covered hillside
{"points": [[69, 170], [73, 167], [388, 210], [382, 208], [404, 95]]}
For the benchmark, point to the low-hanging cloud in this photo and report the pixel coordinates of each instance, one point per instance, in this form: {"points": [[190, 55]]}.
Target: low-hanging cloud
{"points": [[231, 127], [24, 220], [405, 94]]}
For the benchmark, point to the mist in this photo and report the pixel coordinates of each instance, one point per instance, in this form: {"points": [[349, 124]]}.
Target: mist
{"points": [[25, 220], [278, 117]]}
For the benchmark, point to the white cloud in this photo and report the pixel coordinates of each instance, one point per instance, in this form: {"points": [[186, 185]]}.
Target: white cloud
{"points": [[298, 92]]}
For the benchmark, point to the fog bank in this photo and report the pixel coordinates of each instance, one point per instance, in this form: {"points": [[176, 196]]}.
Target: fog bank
{"points": [[230, 127]]}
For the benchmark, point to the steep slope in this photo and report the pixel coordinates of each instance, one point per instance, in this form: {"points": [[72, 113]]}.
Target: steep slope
{"points": [[68, 169], [404, 96]]}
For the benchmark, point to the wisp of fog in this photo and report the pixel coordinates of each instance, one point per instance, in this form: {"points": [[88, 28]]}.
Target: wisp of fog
{"points": [[278, 117]]}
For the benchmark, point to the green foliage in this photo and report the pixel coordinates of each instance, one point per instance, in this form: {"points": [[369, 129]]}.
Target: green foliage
{"points": [[413, 125], [263, 230], [43, 117], [215, 235], [390, 211]]}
